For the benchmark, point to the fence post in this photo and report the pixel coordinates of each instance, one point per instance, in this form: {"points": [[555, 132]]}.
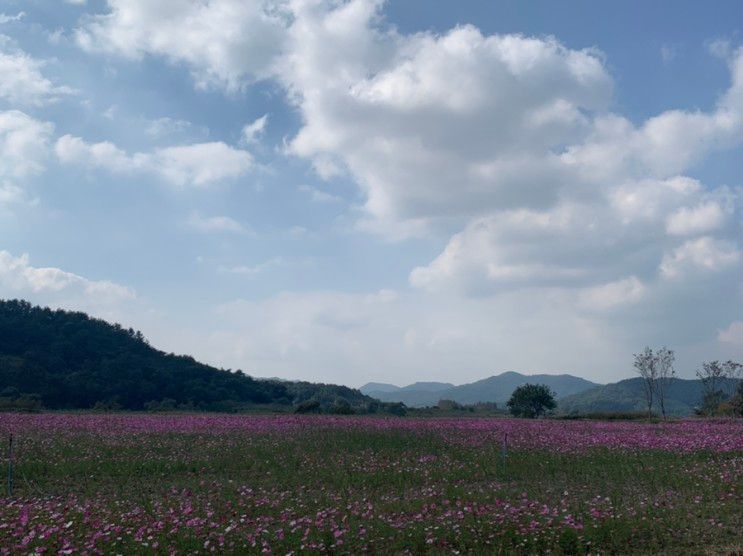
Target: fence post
{"points": [[504, 447], [10, 466]]}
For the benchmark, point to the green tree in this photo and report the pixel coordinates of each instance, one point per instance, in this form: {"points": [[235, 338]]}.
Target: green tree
{"points": [[531, 400]]}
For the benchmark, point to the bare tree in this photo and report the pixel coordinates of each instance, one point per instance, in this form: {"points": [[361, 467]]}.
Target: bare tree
{"points": [[712, 376], [733, 371], [646, 368], [664, 375]]}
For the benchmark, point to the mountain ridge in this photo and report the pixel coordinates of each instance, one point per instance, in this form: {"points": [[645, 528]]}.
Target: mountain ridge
{"points": [[495, 388]]}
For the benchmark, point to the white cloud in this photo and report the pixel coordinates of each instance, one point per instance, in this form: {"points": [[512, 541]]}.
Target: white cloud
{"points": [[24, 144], [224, 43], [355, 337], [252, 270], [704, 253], [614, 294], [319, 196], [21, 80], [5, 18], [13, 195], [702, 218], [252, 131], [571, 245], [49, 285], [209, 224], [10, 194], [507, 140], [169, 127], [733, 334], [435, 126], [199, 164]]}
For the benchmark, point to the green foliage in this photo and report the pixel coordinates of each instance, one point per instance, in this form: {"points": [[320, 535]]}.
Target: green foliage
{"points": [[23, 402], [308, 406], [341, 407], [607, 416], [161, 406], [531, 400]]}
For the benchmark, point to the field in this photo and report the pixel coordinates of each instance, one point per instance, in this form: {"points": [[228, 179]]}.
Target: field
{"points": [[186, 484]]}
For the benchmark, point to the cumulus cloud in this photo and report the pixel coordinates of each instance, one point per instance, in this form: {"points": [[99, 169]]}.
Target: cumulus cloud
{"points": [[199, 164], [223, 43], [507, 143], [435, 126], [21, 79], [24, 144], [705, 253], [705, 217], [56, 287], [614, 294]]}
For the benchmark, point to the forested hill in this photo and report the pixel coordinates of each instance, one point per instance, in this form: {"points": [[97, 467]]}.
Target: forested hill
{"points": [[682, 397], [68, 360]]}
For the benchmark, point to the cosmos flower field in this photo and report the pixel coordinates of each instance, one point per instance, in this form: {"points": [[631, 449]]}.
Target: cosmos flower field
{"points": [[188, 484]]}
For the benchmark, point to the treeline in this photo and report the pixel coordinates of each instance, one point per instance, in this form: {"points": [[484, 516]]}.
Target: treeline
{"points": [[59, 359]]}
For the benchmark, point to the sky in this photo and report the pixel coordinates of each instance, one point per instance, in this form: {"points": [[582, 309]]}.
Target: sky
{"points": [[352, 191]]}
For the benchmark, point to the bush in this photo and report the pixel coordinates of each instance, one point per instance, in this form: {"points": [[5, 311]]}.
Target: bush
{"points": [[109, 405], [395, 408], [164, 405], [308, 406], [28, 403]]}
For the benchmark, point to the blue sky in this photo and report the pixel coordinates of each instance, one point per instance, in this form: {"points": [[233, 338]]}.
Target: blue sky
{"points": [[355, 191]]}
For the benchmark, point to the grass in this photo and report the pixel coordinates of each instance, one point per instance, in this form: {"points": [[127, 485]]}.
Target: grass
{"points": [[343, 488]]}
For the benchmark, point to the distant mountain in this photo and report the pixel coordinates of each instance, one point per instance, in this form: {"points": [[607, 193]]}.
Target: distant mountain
{"points": [[627, 395], [382, 387], [378, 387], [68, 360], [427, 387], [493, 389]]}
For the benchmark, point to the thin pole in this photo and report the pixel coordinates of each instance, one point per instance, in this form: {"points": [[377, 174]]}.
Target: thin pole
{"points": [[10, 466], [504, 448]]}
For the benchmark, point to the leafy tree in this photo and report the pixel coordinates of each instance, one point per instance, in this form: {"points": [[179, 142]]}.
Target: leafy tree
{"points": [[531, 400]]}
